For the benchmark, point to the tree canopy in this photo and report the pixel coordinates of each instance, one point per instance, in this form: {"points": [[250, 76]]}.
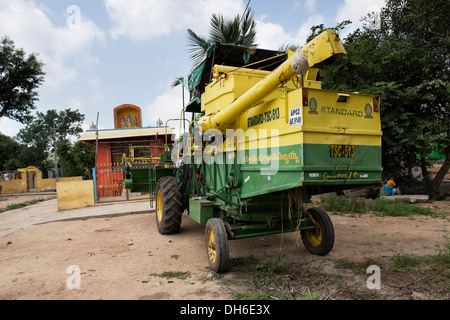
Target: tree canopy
{"points": [[40, 130], [403, 55], [45, 131], [35, 145], [20, 76]]}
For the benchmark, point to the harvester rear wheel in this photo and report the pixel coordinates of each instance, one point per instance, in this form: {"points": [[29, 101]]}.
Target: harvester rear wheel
{"points": [[169, 207], [319, 240], [217, 247]]}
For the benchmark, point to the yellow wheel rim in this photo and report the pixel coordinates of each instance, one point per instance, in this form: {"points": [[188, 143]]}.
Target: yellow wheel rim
{"points": [[159, 205], [315, 236], [211, 246]]}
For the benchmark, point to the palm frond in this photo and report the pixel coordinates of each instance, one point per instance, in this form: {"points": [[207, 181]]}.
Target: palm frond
{"points": [[247, 28], [224, 30], [177, 82], [240, 30], [198, 47]]}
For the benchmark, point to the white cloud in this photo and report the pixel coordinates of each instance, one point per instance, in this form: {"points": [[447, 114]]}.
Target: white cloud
{"points": [[75, 104], [148, 19], [273, 36], [30, 27], [9, 127], [305, 29], [354, 10], [165, 106], [310, 5]]}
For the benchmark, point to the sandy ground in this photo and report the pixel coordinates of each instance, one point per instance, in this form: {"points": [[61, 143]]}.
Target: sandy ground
{"points": [[123, 257]]}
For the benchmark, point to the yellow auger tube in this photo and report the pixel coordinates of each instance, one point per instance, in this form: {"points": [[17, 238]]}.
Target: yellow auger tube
{"points": [[318, 53]]}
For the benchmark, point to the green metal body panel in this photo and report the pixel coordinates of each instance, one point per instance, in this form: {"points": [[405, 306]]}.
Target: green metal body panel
{"points": [[137, 179], [146, 179], [300, 165], [201, 210], [254, 200]]}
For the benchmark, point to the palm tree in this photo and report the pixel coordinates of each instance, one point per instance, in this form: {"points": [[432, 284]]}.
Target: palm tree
{"points": [[241, 30]]}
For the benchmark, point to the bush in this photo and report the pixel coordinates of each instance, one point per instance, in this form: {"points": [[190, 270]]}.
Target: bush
{"points": [[335, 203]]}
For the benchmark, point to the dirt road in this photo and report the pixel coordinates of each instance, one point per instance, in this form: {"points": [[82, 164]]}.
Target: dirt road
{"points": [[126, 258]]}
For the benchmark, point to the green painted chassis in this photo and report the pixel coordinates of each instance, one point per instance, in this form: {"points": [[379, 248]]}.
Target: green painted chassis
{"points": [[215, 191]]}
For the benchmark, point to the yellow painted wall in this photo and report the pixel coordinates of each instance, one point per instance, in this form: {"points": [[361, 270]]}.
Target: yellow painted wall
{"points": [[14, 186], [46, 184], [75, 194], [67, 179], [21, 185]]}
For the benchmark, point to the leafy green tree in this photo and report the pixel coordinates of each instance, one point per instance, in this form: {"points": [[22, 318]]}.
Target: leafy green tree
{"points": [[403, 55], [8, 154], [318, 29], [419, 32], [78, 159], [14, 155], [44, 130], [84, 156], [20, 76]]}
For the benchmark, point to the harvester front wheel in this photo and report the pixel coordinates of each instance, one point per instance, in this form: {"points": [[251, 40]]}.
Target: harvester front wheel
{"points": [[320, 240], [169, 207], [217, 247]]}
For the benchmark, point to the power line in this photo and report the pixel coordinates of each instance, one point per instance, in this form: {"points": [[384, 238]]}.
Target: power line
{"points": [[246, 8]]}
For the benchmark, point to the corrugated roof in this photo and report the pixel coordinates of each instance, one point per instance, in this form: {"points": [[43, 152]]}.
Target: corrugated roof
{"points": [[90, 135]]}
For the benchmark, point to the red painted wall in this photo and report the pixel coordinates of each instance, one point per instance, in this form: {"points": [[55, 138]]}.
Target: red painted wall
{"points": [[110, 179]]}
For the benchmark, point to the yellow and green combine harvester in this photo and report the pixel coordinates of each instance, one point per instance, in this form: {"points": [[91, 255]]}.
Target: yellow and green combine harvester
{"points": [[264, 137]]}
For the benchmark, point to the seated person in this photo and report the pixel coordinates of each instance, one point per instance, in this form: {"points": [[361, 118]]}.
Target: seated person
{"points": [[390, 187]]}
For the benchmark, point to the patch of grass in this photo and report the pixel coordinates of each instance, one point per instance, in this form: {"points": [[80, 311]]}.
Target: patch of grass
{"points": [[242, 262], [265, 274], [440, 261], [356, 267], [173, 274], [432, 272], [335, 203], [400, 276], [215, 276], [307, 295], [274, 265], [413, 272], [20, 205], [402, 262], [272, 279], [255, 296], [382, 207], [399, 209]]}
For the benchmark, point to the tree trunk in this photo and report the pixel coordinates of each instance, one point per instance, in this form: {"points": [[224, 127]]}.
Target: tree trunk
{"points": [[441, 173], [409, 170], [61, 167], [423, 165]]}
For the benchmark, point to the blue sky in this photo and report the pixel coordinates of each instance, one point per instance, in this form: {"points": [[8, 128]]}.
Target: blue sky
{"points": [[100, 54]]}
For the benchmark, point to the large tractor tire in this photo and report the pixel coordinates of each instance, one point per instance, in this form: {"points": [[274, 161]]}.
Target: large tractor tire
{"points": [[320, 240], [217, 247], [169, 206]]}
